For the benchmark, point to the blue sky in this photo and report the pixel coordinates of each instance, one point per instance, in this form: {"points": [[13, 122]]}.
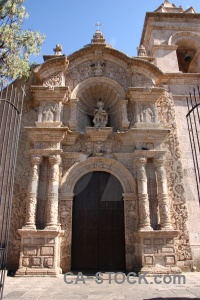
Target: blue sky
{"points": [[71, 22]]}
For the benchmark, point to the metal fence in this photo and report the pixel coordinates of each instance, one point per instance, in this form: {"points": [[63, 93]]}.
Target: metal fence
{"points": [[193, 122], [11, 102]]}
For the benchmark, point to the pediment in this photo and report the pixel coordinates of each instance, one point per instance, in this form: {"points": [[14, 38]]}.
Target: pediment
{"points": [[51, 72]]}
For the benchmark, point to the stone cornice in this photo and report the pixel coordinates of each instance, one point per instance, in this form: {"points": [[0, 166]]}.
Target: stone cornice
{"points": [[145, 94], [43, 93], [47, 134]]}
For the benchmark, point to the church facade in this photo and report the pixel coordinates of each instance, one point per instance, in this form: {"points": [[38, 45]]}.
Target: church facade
{"points": [[105, 178]]}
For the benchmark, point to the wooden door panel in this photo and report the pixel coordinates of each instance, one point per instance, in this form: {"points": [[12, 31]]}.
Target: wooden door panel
{"points": [[98, 242]]}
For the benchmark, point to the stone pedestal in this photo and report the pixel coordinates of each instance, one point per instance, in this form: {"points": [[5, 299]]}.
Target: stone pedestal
{"points": [[40, 253], [157, 250]]}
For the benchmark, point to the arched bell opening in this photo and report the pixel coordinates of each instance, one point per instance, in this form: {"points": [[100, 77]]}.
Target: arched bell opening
{"points": [[186, 52]]}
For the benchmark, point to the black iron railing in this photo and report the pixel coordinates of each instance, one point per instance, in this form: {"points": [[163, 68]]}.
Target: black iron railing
{"points": [[11, 102], [193, 122]]}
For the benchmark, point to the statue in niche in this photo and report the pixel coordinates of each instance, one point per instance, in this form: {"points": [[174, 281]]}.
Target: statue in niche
{"points": [[100, 115], [57, 110], [147, 116], [51, 114], [48, 115]]}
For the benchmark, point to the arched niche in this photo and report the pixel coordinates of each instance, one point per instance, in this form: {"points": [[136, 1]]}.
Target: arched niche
{"points": [[90, 91]]}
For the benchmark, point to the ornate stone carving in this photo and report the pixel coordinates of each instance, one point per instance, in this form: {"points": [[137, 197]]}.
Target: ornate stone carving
{"points": [[163, 201], [140, 80], [98, 67], [144, 212], [124, 115], [175, 176], [55, 79], [84, 70], [50, 113], [146, 114], [31, 200], [52, 209], [58, 49], [141, 51]]}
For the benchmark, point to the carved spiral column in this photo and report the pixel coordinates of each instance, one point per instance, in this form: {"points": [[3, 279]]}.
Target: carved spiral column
{"points": [[52, 210], [125, 121], [74, 113], [31, 199], [163, 200], [144, 213]]}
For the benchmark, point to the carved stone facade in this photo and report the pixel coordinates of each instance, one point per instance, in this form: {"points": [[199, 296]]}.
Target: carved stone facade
{"points": [[99, 110]]}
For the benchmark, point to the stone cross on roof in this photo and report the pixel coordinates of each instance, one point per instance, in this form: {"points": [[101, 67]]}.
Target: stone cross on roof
{"points": [[98, 25]]}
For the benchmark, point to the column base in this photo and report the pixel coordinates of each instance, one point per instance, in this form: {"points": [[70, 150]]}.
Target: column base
{"points": [[146, 228], [167, 227], [29, 227], [52, 227], [40, 252]]}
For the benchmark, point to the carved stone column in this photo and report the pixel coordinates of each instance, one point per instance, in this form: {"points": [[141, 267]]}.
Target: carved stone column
{"points": [[130, 222], [144, 213], [74, 114], [163, 200], [52, 210], [31, 199], [125, 121]]}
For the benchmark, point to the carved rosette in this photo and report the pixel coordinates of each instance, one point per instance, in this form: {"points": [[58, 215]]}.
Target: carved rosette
{"points": [[52, 210], [31, 199], [144, 213], [163, 199]]}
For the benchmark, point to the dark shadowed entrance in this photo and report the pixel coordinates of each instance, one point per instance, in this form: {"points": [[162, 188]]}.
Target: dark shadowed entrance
{"points": [[98, 242]]}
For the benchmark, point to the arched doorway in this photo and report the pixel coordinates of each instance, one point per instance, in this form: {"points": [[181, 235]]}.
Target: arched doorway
{"points": [[98, 237]]}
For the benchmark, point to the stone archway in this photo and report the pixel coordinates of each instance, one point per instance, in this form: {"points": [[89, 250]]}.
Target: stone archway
{"points": [[127, 181]]}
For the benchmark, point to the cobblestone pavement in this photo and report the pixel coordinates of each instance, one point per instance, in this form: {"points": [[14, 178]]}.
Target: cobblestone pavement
{"points": [[44, 288]]}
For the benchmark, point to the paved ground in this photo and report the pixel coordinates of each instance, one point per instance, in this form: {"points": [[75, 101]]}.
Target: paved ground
{"points": [[56, 288]]}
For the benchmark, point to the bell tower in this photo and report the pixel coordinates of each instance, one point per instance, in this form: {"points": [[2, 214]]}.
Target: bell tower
{"points": [[170, 35]]}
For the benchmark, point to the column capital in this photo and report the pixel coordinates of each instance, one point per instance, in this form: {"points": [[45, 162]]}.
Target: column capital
{"points": [[36, 159], [129, 196], [54, 159], [140, 161], [159, 161]]}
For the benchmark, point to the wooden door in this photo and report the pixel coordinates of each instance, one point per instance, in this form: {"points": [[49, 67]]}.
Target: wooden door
{"points": [[98, 242]]}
